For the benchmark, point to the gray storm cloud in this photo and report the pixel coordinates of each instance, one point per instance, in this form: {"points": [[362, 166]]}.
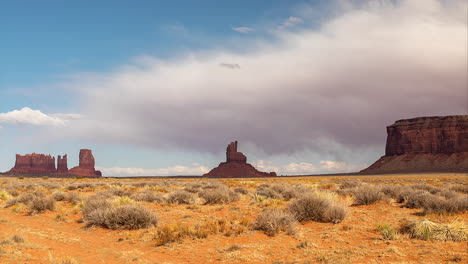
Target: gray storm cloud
{"points": [[340, 84]]}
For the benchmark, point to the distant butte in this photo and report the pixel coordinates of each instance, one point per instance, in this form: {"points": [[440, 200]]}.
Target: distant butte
{"points": [[86, 165], [40, 164], [236, 166], [425, 144]]}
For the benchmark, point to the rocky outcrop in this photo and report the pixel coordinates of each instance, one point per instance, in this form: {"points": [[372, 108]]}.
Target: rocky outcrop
{"points": [[40, 164], [236, 166], [425, 144], [86, 165], [62, 164], [34, 163]]}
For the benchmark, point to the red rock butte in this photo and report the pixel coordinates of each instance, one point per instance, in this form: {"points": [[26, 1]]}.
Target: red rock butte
{"points": [[45, 165], [425, 144], [86, 165], [236, 166]]}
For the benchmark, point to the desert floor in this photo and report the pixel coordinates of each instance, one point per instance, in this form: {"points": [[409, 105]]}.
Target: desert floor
{"points": [[224, 231]]}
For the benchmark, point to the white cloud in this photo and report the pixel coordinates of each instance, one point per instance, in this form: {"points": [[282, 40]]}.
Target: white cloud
{"points": [[243, 30], [341, 82], [193, 170], [27, 116], [305, 168], [290, 22]]}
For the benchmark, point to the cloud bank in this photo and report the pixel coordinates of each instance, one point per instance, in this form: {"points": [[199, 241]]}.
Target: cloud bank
{"points": [[342, 83], [194, 170], [28, 116]]}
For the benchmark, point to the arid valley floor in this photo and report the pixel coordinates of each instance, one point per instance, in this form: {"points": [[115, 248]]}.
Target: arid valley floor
{"points": [[355, 219]]}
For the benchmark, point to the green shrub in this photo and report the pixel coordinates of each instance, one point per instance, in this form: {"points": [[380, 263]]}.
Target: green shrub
{"points": [[388, 232]]}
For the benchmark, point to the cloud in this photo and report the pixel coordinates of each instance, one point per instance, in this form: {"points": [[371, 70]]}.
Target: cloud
{"points": [[193, 170], [336, 84], [243, 30], [306, 168], [290, 22], [230, 65], [27, 116]]}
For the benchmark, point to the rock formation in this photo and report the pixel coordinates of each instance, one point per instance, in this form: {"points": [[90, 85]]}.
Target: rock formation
{"points": [[425, 144], [62, 164], [34, 163], [236, 166], [40, 164], [86, 165]]}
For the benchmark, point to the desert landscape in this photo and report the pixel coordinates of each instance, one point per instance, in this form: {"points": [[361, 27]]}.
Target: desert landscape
{"points": [[412, 218], [229, 132]]}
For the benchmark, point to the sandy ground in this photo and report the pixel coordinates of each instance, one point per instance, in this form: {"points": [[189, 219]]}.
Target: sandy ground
{"points": [[59, 237]]}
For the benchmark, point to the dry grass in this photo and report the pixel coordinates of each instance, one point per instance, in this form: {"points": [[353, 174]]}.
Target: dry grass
{"points": [[428, 230], [129, 217], [274, 221]]}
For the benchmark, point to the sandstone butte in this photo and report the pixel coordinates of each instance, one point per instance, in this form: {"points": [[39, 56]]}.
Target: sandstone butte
{"points": [[236, 166], [45, 164], [425, 144]]}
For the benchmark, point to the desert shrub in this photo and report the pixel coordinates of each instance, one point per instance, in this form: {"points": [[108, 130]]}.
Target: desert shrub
{"points": [[241, 190], [59, 196], [388, 232], [425, 187], [17, 239], [417, 199], [273, 221], [122, 200], [336, 213], [366, 195], [348, 184], [93, 203], [4, 195], [312, 207], [392, 191], [147, 196], [13, 193], [119, 192], [41, 204], [73, 197], [437, 204], [219, 196], [72, 187], [129, 217], [462, 188], [180, 197], [427, 230], [25, 198]]}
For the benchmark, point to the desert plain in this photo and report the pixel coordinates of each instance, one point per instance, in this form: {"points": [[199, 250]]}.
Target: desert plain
{"points": [[393, 218]]}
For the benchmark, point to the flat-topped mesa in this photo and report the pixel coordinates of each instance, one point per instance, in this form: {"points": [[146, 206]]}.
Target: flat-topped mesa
{"points": [[428, 135], [236, 166], [86, 165], [62, 164], [425, 144], [34, 163]]}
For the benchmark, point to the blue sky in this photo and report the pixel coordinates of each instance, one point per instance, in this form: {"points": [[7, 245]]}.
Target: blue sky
{"points": [[143, 77]]}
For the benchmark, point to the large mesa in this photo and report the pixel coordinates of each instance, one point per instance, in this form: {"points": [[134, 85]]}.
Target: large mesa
{"points": [[425, 144], [236, 166]]}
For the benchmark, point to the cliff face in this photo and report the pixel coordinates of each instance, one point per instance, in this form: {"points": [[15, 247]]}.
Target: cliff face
{"points": [[425, 144], [86, 165], [34, 163], [236, 166], [428, 135], [62, 164]]}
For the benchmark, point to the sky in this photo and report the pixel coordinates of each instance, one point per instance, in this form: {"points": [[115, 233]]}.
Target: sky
{"points": [[161, 87]]}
